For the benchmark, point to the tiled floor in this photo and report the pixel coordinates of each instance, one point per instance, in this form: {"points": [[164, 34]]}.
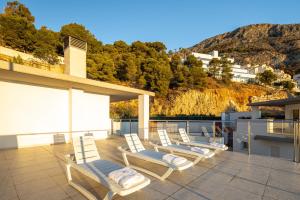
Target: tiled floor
{"points": [[38, 173]]}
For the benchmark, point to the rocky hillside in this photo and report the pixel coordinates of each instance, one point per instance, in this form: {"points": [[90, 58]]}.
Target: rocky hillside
{"points": [[274, 44], [211, 101]]}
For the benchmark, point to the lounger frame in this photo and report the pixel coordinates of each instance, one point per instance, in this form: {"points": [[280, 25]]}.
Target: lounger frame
{"points": [[197, 157], [99, 177], [197, 144], [165, 175], [170, 168], [166, 146]]}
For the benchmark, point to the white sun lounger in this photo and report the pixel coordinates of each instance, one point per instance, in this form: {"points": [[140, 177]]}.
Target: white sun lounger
{"points": [[186, 141], [88, 162], [186, 150], [137, 150], [209, 137]]}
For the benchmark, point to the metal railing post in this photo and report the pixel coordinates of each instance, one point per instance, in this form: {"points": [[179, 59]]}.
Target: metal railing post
{"points": [[282, 127], [249, 137], [214, 131], [296, 141], [120, 132], [188, 127], [130, 126], [112, 127], [166, 124]]}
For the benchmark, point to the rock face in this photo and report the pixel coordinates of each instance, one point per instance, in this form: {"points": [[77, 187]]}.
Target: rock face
{"points": [[212, 101], [273, 44]]}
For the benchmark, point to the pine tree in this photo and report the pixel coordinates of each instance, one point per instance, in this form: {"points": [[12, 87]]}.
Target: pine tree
{"points": [[226, 67], [214, 68]]}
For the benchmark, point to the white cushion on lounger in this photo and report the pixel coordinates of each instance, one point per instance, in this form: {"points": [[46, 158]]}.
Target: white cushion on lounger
{"points": [[217, 144], [200, 150], [126, 177], [173, 159]]}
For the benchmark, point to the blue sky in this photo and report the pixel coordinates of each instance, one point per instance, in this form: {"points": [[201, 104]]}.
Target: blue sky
{"points": [[177, 23]]}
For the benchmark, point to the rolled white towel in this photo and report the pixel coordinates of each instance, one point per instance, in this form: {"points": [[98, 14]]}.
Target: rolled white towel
{"points": [[200, 150], [126, 177], [217, 144], [173, 159]]}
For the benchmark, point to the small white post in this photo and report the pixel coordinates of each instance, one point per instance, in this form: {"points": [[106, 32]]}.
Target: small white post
{"points": [[143, 124], [249, 137]]}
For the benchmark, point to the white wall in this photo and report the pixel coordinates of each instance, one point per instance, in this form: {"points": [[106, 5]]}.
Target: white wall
{"points": [[231, 116], [35, 115], [90, 112], [27, 109], [259, 147], [288, 110]]}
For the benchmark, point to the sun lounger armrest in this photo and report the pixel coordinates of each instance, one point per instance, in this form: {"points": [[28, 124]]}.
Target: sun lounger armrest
{"points": [[136, 155], [122, 149], [177, 142], [70, 159], [155, 146], [126, 152]]}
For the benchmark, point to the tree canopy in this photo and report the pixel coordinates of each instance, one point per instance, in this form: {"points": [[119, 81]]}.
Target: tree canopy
{"points": [[226, 70], [15, 8], [267, 77], [214, 68], [145, 65]]}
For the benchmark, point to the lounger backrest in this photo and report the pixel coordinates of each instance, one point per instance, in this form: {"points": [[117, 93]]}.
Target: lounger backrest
{"points": [[85, 149], [183, 135], [164, 138], [205, 132], [134, 143]]}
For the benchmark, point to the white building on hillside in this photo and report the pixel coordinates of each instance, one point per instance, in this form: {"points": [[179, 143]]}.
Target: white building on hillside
{"points": [[240, 73], [261, 68], [206, 58]]}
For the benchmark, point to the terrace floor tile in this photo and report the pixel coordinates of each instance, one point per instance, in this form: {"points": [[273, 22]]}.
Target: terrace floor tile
{"points": [[39, 173]]}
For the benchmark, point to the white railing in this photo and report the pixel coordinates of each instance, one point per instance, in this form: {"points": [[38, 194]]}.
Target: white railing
{"points": [[261, 136]]}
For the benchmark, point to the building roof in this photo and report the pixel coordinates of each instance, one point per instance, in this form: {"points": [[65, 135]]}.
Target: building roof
{"points": [[25, 74], [277, 103]]}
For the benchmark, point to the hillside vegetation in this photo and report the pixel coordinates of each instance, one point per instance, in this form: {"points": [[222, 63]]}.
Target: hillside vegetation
{"points": [[182, 88], [277, 45], [144, 65]]}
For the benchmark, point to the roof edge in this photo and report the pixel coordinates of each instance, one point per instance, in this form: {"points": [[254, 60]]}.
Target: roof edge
{"points": [[9, 66]]}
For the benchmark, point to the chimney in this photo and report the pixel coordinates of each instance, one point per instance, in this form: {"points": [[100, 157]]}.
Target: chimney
{"points": [[75, 57], [214, 54]]}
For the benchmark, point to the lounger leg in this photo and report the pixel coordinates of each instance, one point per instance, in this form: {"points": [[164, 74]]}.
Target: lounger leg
{"points": [[197, 160], [167, 174], [109, 195], [163, 177], [78, 187], [125, 159], [68, 169]]}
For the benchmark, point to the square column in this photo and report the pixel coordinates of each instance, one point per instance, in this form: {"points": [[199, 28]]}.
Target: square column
{"points": [[143, 125]]}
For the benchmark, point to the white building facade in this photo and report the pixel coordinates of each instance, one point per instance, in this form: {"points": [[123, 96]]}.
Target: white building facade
{"points": [[206, 58], [40, 107], [240, 73]]}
